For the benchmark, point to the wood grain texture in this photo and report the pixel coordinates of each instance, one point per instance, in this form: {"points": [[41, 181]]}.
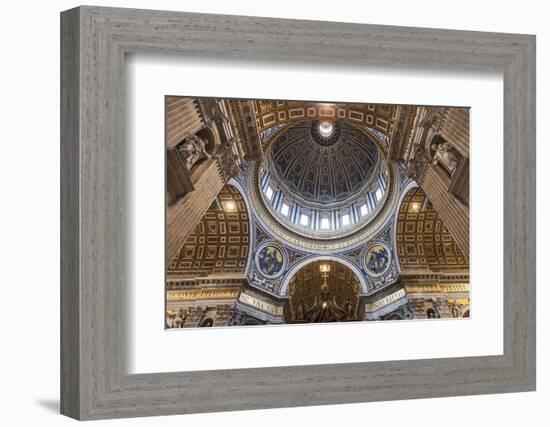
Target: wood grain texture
{"points": [[70, 333], [95, 237]]}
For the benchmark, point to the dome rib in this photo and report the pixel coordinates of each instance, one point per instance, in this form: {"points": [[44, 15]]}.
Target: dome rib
{"points": [[323, 174], [326, 190]]}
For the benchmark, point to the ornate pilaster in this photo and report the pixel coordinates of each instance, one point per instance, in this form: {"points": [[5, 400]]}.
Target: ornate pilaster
{"points": [[402, 132], [247, 129]]}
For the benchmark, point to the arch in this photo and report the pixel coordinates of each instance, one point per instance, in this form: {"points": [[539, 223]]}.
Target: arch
{"points": [[299, 265], [220, 241], [393, 316], [324, 291], [252, 322]]}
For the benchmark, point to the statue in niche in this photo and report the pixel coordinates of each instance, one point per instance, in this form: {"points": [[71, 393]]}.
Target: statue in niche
{"points": [[170, 317], [193, 150], [454, 308], [180, 318], [446, 155]]}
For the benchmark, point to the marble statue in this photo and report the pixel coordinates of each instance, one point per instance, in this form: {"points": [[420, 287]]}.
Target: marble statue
{"points": [[446, 155], [193, 150], [180, 318], [455, 309]]}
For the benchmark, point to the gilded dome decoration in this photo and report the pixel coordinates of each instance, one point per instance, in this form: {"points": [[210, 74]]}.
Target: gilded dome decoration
{"points": [[322, 177], [322, 171]]}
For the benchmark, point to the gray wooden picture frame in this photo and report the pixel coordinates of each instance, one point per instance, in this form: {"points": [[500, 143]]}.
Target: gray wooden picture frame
{"points": [[94, 382]]}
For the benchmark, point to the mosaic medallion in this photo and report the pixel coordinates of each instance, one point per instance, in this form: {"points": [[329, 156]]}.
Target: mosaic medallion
{"points": [[270, 260], [377, 259]]}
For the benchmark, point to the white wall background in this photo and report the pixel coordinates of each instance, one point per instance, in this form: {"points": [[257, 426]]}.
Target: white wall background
{"points": [[29, 221]]}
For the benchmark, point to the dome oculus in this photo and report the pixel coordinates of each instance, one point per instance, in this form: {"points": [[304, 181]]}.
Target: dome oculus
{"points": [[325, 133], [325, 129]]}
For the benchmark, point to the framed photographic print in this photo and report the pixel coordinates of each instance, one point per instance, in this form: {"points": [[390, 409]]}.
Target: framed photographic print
{"points": [[315, 214], [262, 213]]}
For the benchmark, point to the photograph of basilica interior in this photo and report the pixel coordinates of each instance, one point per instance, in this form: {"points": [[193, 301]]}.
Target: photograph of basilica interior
{"points": [[286, 212]]}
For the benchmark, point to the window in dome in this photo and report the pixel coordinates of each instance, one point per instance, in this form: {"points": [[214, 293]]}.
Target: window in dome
{"points": [[285, 209], [345, 220], [364, 209], [378, 194], [325, 223], [269, 192], [304, 219]]}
